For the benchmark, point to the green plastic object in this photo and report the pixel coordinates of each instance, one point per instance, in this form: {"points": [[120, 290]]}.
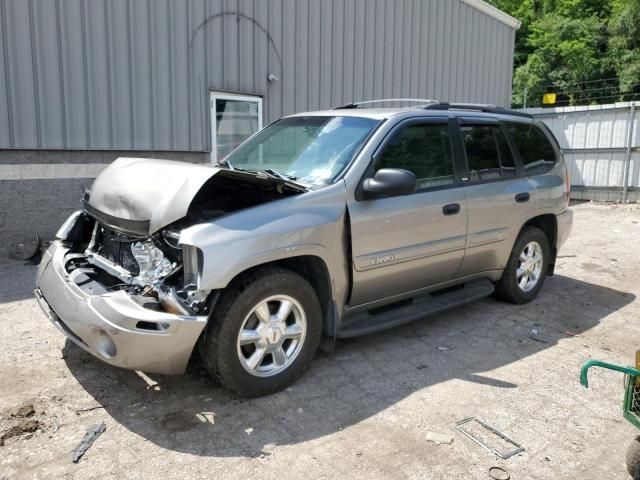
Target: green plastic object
{"points": [[631, 406], [610, 366]]}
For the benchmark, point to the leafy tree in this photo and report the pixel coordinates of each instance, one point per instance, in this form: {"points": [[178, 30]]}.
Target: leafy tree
{"points": [[570, 46], [624, 42]]}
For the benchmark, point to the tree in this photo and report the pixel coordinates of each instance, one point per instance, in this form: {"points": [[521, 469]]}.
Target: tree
{"points": [[624, 43], [569, 46], [565, 51]]}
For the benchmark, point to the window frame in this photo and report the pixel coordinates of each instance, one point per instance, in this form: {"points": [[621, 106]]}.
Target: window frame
{"points": [[370, 170], [231, 96]]}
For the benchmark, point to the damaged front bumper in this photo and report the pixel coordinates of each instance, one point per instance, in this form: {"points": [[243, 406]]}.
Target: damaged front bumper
{"points": [[114, 326]]}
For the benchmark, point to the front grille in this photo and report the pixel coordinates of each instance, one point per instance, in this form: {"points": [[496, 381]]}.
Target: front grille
{"points": [[116, 247]]}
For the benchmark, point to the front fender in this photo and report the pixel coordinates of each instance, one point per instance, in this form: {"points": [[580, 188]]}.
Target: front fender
{"points": [[308, 224]]}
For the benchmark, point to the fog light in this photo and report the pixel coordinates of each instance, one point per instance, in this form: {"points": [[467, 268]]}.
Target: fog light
{"points": [[103, 344]]}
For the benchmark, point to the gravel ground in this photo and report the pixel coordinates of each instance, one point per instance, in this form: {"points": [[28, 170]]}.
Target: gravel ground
{"points": [[365, 411]]}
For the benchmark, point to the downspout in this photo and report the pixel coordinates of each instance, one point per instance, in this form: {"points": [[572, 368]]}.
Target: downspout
{"points": [[627, 163]]}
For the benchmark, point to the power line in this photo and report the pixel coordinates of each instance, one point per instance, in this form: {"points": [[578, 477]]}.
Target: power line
{"points": [[588, 81], [610, 87], [588, 99]]}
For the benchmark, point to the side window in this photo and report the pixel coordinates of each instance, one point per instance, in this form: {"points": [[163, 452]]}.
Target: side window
{"points": [[536, 151], [482, 152], [422, 149], [507, 162]]}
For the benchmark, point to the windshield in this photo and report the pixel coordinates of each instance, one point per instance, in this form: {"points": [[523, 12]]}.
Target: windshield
{"points": [[309, 150]]}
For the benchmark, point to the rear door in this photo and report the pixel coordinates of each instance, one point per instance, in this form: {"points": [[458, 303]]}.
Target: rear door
{"points": [[404, 243], [499, 200]]}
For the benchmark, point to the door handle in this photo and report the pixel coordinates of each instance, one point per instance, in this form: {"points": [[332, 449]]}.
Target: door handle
{"points": [[451, 209], [523, 197]]}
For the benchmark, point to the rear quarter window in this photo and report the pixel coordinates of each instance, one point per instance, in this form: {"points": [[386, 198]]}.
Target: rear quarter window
{"points": [[536, 151]]}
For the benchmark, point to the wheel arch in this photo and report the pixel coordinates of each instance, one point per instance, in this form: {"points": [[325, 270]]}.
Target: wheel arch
{"points": [[548, 223], [313, 269]]}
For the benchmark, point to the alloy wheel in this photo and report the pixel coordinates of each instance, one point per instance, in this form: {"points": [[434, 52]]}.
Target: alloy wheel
{"points": [[271, 336], [529, 266]]}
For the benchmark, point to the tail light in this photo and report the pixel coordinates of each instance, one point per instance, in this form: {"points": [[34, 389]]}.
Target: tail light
{"points": [[568, 184]]}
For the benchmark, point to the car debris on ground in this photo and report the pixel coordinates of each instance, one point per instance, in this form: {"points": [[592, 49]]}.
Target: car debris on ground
{"points": [[92, 434], [25, 249], [499, 473], [488, 437], [439, 438]]}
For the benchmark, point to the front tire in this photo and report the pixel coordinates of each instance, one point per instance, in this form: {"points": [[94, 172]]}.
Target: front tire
{"points": [[527, 267], [263, 333]]}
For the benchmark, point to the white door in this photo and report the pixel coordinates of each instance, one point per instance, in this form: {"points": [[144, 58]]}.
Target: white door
{"points": [[234, 118]]}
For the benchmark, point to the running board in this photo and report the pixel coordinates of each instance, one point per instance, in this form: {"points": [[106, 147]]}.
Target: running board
{"points": [[362, 323]]}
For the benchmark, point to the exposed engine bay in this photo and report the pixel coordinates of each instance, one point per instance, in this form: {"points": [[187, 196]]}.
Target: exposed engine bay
{"points": [[109, 253], [105, 260]]}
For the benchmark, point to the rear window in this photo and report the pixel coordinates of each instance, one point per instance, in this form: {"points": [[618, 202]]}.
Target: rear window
{"points": [[482, 152], [488, 154], [536, 151]]}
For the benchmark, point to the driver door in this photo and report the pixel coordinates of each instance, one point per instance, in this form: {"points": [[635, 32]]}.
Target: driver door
{"points": [[405, 243]]}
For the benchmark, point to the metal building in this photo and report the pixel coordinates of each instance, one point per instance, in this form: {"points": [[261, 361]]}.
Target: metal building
{"points": [[85, 81]]}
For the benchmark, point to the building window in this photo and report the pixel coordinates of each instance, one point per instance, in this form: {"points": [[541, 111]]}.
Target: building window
{"points": [[234, 118]]}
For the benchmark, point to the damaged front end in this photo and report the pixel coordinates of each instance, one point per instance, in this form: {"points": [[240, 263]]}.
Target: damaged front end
{"points": [[152, 267], [129, 230], [119, 282], [123, 298]]}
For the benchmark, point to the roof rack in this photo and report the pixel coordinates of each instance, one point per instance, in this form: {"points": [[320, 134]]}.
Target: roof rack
{"points": [[476, 107], [386, 100]]}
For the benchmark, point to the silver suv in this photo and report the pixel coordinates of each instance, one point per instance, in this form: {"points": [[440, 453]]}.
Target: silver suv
{"points": [[323, 225]]}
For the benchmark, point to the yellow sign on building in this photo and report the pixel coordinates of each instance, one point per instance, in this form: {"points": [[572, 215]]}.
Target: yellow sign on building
{"points": [[549, 99]]}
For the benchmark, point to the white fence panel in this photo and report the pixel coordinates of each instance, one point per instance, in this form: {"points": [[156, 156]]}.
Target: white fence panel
{"points": [[600, 143]]}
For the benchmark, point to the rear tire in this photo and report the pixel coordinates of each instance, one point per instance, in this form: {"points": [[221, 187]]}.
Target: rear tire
{"points": [[525, 273], [273, 313], [633, 459]]}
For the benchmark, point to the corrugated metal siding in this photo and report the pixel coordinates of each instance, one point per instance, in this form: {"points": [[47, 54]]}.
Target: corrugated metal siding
{"points": [[594, 139], [135, 74]]}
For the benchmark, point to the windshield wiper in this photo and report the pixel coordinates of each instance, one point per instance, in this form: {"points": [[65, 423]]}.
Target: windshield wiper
{"points": [[274, 173], [267, 172], [270, 172], [227, 164]]}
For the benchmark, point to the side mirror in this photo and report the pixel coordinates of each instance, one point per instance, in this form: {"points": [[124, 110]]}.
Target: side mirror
{"points": [[389, 182]]}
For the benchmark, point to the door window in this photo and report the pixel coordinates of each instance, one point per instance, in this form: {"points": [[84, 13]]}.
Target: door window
{"points": [[425, 150], [507, 162], [536, 152], [234, 118], [488, 154]]}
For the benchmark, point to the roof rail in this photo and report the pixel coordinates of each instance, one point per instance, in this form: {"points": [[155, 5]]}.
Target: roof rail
{"points": [[476, 107], [387, 100]]}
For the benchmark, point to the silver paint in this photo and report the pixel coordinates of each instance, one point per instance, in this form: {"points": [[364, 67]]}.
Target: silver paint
{"points": [[143, 189], [400, 246]]}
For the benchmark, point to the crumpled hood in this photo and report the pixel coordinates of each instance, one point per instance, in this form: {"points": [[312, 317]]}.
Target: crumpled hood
{"points": [[146, 194]]}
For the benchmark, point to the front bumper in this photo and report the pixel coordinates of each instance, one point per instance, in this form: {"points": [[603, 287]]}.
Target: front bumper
{"points": [[113, 326]]}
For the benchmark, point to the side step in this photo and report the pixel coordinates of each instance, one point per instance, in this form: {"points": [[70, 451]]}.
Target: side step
{"points": [[362, 323]]}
